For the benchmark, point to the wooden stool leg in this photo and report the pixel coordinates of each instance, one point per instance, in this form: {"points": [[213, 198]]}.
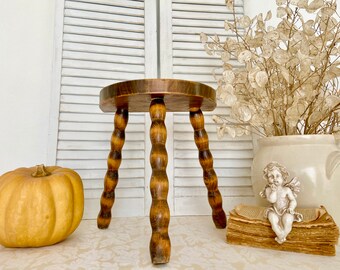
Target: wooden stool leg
{"points": [[159, 213], [206, 161], [113, 163]]}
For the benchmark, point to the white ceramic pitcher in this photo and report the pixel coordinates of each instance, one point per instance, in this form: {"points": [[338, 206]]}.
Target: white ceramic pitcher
{"points": [[314, 159]]}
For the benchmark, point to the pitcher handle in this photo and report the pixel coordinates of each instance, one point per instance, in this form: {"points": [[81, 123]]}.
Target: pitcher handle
{"points": [[333, 160]]}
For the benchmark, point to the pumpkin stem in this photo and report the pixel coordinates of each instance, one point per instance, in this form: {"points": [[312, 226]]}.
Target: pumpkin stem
{"points": [[40, 171]]}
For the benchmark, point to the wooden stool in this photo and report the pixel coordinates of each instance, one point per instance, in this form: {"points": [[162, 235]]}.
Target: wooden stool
{"points": [[158, 96]]}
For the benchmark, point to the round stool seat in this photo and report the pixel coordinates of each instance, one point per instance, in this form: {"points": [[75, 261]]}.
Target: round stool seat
{"points": [[178, 95]]}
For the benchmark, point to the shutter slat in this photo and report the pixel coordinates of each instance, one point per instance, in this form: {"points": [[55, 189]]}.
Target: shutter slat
{"points": [[99, 174], [116, 3], [92, 136], [105, 41], [86, 125], [90, 65], [100, 164], [127, 183], [198, 23], [227, 155], [90, 145], [184, 136], [102, 57], [90, 48], [97, 32], [120, 193], [205, 8], [195, 77], [208, 63], [99, 74], [192, 54], [82, 91], [112, 9], [195, 37], [97, 154], [223, 181], [209, 2], [215, 145], [197, 31], [100, 16], [202, 191], [93, 118], [95, 82], [108, 25], [230, 172], [180, 14], [218, 163]]}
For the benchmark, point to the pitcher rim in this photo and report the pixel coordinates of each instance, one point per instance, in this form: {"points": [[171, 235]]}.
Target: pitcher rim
{"points": [[298, 139]]}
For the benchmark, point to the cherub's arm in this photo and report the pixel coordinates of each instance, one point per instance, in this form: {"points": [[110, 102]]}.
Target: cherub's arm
{"points": [[292, 200]]}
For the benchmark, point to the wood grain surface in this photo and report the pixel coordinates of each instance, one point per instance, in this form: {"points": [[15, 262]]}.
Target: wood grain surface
{"points": [[113, 163], [178, 95], [159, 213], [209, 174]]}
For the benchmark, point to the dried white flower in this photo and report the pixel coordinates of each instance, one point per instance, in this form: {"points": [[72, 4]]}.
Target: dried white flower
{"points": [[281, 12], [281, 2], [261, 78], [315, 5], [272, 35], [302, 4], [332, 101], [244, 56], [244, 21], [231, 131], [281, 56], [294, 2], [228, 76], [268, 16], [288, 82], [220, 131], [225, 56], [203, 38], [229, 4], [242, 111], [267, 51]]}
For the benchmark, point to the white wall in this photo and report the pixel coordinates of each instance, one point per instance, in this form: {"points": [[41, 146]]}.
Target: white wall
{"points": [[26, 50], [254, 7], [26, 53]]}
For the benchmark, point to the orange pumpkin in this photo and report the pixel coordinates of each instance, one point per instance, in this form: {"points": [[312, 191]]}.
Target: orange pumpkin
{"points": [[39, 206]]}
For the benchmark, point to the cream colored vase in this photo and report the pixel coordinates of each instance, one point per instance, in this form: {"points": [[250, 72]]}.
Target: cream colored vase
{"points": [[314, 159]]}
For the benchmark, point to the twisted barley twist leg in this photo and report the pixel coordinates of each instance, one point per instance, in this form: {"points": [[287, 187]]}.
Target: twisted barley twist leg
{"points": [[159, 213], [206, 161], [113, 163]]}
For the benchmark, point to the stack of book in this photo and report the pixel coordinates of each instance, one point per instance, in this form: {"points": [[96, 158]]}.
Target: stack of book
{"points": [[316, 234]]}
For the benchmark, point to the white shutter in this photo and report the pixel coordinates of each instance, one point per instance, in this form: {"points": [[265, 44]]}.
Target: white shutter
{"points": [[107, 41], [103, 42], [232, 157]]}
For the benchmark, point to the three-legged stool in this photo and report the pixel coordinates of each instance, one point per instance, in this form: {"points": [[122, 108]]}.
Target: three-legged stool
{"points": [[158, 96]]}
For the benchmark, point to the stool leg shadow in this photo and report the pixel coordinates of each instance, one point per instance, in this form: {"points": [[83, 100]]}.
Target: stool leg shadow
{"points": [[113, 163], [160, 246], [206, 161]]}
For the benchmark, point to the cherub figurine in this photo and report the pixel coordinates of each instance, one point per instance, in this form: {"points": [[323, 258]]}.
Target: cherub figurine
{"points": [[281, 193]]}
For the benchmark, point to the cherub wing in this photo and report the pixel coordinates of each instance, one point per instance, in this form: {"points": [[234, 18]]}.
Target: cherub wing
{"points": [[294, 185]]}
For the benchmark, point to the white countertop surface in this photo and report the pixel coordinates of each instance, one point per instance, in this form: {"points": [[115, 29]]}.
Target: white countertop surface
{"points": [[196, 244]]}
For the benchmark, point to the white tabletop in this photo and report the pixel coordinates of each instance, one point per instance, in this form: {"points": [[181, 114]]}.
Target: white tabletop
{"points": [[196, 244]]}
